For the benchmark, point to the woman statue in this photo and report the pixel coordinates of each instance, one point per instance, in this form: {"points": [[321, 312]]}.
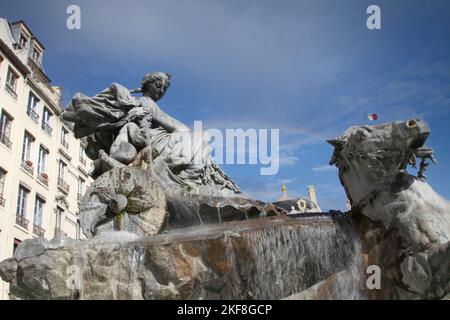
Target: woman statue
{"points": [[117, 127]]}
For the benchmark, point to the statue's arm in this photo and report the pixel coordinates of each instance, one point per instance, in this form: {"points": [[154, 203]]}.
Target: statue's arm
{"points": [[167, 122]]}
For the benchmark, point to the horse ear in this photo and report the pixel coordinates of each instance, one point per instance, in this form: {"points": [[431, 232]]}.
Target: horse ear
{"points": [[334, 157], [337, 143]]}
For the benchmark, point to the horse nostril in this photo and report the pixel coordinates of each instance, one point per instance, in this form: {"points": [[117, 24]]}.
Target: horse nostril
{"points": [[411, 123]]}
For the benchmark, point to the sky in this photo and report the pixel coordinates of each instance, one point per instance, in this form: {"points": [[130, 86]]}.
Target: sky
{"points": [[308, 68]]}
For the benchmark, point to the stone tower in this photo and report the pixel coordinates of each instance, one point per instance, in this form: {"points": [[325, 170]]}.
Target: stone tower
{"points": [[312, 194]]}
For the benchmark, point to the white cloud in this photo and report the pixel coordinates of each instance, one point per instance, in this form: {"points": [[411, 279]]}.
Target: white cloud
{"points": [[287, 160], [324, 168]]}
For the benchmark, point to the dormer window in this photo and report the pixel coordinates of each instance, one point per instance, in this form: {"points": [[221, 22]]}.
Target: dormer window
{"points": [[36, 55], [22, 41]]}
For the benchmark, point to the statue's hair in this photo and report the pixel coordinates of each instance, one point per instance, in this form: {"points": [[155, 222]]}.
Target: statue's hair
{"points": [[155, 76]]}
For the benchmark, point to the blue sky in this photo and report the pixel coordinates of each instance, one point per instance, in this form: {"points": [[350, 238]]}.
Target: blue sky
{"points": [[309, 68]]}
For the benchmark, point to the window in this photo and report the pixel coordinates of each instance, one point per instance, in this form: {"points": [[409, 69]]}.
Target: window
{"points": [[16, 244], [5, 129], [32, 107], [42, 161], [22, 41], [61, 170], [82, 155], [2, 186], [78, 231], [22, 201], [59, 213], [38, 209], [11, 82], [36, 56], [26, 148], [62, 185], [65, 137], [80, 187], [46, 121]]}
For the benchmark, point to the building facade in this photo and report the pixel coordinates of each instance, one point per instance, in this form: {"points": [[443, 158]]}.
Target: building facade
{"points": [[300, 204], [43, 168]]}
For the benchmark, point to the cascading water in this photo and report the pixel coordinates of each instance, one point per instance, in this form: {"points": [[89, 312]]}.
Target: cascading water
{"points": [[289, 259], [276, 257]]}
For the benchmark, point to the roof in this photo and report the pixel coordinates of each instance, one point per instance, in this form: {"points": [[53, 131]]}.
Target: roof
{"points": [[288, 204], [13, 58], [29, 31]]}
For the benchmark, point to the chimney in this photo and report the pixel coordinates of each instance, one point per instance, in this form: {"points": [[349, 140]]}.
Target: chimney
{"points": [[312, 194]]}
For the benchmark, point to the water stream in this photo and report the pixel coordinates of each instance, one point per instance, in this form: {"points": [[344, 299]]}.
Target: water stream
{"points": [[290, 259]]}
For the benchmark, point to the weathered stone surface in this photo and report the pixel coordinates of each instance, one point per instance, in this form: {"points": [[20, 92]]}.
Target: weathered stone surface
{"points": [[117, 129], [126, 198], [267, 258], [332, 288], [403, 222]]}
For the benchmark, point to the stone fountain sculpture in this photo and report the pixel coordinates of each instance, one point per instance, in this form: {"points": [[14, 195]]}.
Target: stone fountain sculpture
{"points": [[404, 223], [163, 221], [121, 132]]}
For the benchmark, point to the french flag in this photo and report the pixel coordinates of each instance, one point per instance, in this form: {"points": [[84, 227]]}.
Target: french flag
{"points": [[372, 116]]}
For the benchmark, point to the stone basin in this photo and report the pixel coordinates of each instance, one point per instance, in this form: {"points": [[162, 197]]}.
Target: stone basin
{"points": [[266, 258]]}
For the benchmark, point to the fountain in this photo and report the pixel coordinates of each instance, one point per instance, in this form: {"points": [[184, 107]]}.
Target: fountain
{"points": [[162, 225]]}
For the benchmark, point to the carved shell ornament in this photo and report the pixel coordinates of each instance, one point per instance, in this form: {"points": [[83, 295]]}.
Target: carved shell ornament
{"points": [[123, 192]]}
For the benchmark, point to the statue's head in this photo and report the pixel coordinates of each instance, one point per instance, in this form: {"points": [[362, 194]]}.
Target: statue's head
{"points": [[155, 84], [378, 152]]}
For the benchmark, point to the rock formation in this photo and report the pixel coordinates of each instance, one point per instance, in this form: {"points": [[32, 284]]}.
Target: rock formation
{"points": [[266, 258]]}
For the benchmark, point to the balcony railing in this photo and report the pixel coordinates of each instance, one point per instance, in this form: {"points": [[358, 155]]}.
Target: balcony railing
{"points": [[83, 161], [5, 140], [33, 115], [47, 128], [22, 221], [2, 200], [38, 230], [63, 186], [27, 165], [59, 233], [11, 90], [43, 177]]}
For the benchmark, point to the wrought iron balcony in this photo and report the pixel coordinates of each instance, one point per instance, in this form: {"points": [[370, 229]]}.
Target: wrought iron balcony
{"points": [[59, 233], [27, 165], [33, 115], [38, 230], [2, 200], [43, 177], [63, 186], [5, 140], [47, 128], [11, 90], [22, 221]]}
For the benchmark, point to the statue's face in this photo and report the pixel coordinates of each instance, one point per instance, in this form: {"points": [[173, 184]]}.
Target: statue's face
{"points": [[390, 144], [157, 89]]}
